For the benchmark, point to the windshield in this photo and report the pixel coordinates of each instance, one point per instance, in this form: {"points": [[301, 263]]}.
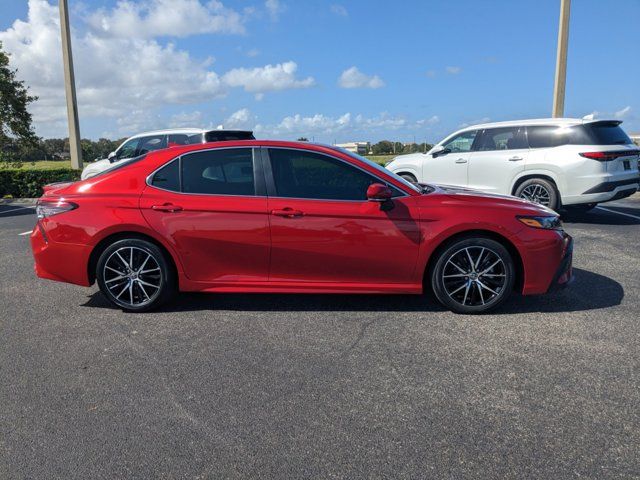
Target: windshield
{"points": [[379, 168]]}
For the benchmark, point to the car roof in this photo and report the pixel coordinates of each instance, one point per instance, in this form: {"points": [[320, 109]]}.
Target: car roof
{"points": [[184, 130], [560, 122]]}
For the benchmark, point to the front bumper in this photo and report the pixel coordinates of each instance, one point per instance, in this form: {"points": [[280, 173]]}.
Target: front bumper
{"points": [[564, 275]]}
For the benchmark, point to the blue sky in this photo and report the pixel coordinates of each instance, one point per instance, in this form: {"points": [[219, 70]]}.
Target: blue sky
{"points": [[415, 69]]}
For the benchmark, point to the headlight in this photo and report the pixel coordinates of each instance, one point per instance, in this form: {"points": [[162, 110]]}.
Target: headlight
{"points": [[546, 223]]}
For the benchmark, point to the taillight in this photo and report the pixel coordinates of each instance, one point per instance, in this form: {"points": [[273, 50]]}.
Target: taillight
{"points": [[608, 156], [46, 208]]}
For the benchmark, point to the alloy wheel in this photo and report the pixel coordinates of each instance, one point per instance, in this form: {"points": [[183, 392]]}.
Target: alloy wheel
{"points": [[536, 193], [132, 276], [474, 276]]}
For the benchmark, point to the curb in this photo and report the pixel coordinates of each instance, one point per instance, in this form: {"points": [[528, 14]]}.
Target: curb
{"points": [[18, 201]]}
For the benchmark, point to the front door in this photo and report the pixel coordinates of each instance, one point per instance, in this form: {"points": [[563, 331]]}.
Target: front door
{"points": [[500, 154], [209, 204], [323, 229], [449, 167]]}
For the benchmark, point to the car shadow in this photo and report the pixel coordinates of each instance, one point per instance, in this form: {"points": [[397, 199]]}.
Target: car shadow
{"points": [[598, 216], [589, 291]]}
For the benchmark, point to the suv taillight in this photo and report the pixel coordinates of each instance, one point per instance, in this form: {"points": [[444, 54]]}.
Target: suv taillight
{"points": [[46, 208], [608, 156]]}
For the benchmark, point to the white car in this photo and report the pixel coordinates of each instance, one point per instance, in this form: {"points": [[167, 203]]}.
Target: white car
{"points": [[555, 161], [148, 141]]}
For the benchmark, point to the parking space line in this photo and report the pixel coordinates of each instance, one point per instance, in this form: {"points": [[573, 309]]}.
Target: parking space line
{"points": [[14, 209], [28, 232], [619, 213]]}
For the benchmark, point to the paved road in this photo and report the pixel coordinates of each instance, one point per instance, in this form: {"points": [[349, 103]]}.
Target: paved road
{"points": [[293, 386]]}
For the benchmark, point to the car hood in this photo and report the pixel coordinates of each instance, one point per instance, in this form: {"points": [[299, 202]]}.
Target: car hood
{"points": [[483, 199]]}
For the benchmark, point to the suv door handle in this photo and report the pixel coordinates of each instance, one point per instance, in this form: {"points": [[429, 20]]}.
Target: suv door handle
{"points": [[287, 213], [515, 159], [167, 207], [461, 160]]}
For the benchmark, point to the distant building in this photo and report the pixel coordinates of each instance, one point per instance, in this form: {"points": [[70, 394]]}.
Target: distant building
{"points": [[636, 138], [361, 148]]}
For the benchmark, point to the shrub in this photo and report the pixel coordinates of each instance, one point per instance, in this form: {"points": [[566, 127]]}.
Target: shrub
{"points": [[29, 183]]}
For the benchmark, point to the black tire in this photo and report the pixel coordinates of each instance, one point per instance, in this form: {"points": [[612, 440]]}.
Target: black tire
{"points": [[460, 286], [135, 275], [539, 190], [583, 207], [409, 177]]}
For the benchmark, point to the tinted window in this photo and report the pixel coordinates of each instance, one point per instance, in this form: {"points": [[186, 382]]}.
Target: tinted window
{"points": [[128, 149], [607, 133], [221, 172], [462, 142], [168, 177], [545, 136], [197, 138], [301, 174], [511, 138], [227, 135], [176, 139], [149, 144]]}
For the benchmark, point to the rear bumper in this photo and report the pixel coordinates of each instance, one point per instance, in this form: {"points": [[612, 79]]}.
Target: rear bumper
{"points": [[605, 192], [63, 262]]}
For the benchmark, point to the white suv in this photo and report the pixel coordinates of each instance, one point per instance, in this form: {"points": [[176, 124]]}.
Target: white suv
{"points": [[148, 141], [556, 161]]}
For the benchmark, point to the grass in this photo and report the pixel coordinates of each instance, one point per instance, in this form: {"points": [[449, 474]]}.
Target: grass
{"points": [[39, 165], [381, 159]]}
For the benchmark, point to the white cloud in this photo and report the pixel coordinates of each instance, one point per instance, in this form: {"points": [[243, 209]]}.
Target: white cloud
{"points": [[354, 78], [431, 73], [339, 10], [176, 18], [269, 78], [624, 113], [453, 70], [186, 119], [121, 78], [254, 52], [243, 118], [275, 8]]}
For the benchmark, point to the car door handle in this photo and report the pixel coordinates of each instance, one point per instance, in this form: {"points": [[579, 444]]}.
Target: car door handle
{"points": [[461, 160], [515, 159], [166, 207], [287, 213]]}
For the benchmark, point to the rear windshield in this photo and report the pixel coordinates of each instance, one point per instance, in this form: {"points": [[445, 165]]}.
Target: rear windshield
{"points": [[224, 136], [607, 134]]}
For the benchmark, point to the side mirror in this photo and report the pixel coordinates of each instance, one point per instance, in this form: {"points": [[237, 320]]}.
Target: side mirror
{"points": [[438, 150], [112, 157], [378, 192]]}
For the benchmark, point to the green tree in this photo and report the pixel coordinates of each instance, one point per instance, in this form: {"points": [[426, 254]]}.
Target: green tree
{"points": [[383, 147], [16, 133]]}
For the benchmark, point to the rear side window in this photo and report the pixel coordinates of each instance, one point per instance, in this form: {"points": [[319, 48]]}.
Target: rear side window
{"points": [[607, 133], [168, 177], [547, 136], [176, 139], [509, 138], [219, 172]]}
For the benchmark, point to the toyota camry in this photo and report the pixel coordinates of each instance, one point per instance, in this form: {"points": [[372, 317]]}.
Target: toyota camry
{"points": [[274, 216]]}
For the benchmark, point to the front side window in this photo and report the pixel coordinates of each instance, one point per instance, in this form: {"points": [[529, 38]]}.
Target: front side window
{"points": [[128, 149], [302, 174], [461, 143], [219, 172], [149, 144], [510, 138]]}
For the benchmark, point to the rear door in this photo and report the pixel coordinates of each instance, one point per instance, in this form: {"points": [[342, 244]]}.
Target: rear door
{"points": [[211, 205], [323, 229], [499, 155], [450, 167]]}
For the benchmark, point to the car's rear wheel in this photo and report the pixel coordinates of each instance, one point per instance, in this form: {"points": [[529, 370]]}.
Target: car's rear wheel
{"points": [[473, 275], [409, 177], [539, 190], [134, 274]]}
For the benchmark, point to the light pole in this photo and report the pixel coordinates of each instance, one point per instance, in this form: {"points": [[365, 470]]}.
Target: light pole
{"points": [[70, 88], [561, 59]]}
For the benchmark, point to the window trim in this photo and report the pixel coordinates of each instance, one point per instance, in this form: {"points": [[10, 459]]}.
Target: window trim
{"points": [[258, 174], [451, 138], [271, 185]]}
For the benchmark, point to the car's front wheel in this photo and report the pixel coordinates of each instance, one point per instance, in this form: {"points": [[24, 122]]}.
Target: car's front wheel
{"points": [[134, 274], [409, 177], [473, 275]]}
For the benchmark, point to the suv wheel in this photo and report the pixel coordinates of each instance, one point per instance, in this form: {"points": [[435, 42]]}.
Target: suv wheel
{"points": [[473, 275], [409, 178], [134, 275], [539, 190]]}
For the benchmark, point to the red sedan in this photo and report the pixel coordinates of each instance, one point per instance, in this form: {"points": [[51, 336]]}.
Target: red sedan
{"points": [[271, 216]]}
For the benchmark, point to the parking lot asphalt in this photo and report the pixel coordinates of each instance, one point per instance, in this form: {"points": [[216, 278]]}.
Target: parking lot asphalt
{"points": [[332, 386]]}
